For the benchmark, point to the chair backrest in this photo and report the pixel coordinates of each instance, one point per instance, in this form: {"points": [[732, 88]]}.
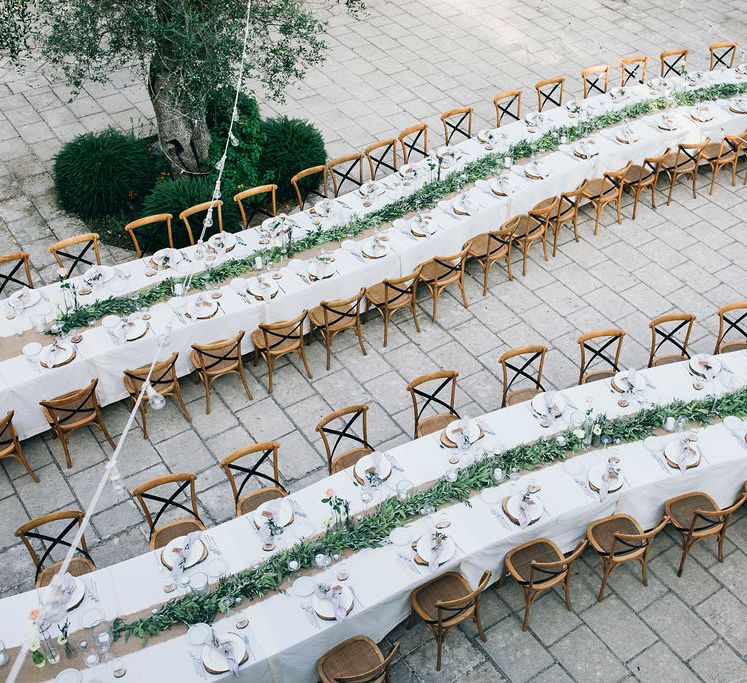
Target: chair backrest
{"points": [[38, 530], [74, 406], [340, 426], [730, 144], [454, 123], [633, 69], [243, 465], [652, 165], [86, 242], [342, 310], [411, 137], [673, 61], [431, 395], [546, 210], [507, 105], [722, 55], [732, 318], [595, 345], [162, 378], [306, 184], [446, 267], [501, 238], [347, 168], [377, 154], [398, 291], [550, 90], [8, 435], [163, 492], [256, 207], [374, 675], [687, 152], [615, 178], [218, 356], [151, 220], [11, 264], [672, 328], [453, 611], [595, 79], [185, 215], [523, 362], [285, 335]]}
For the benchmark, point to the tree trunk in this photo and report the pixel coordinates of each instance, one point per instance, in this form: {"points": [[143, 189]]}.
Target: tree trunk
{"points": [[182, 127]]}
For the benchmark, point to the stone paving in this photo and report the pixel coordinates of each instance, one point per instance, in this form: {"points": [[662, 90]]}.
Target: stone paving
{"points": [[686, 256]]}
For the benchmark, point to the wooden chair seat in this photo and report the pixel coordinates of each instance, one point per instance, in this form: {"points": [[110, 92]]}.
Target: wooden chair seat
{"points": [[666, 360], [445, 588], [519, 561], [279, 348], [597, 375], [432, 271], [349, 458], [376, 295], [681, 513], [78, 567], [640, 175], [602, 535], [354, 657], [253, 500], [601, 189], [522, 395], [728, 347], [674, 162], [317, 318], [163, 535], [434, 423], [481, 245], [528, 228], [712, 151]]}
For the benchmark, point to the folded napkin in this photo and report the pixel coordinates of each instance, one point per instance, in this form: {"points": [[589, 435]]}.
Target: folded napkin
{"points": [[682, 457], [435, 553], [377, 458], [632, 378], [49, 355], [604, 487], [181, 554], [226, 649], [337, 605], [523, 512], [551, 403]]}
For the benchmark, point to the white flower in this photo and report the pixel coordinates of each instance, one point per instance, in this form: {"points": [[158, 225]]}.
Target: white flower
{"points": [[32, 641], [597, 430], [578, 433], [561, 440]]}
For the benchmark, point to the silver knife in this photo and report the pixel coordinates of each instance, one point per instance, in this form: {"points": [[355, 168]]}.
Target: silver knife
{"points": [[393, 462]]}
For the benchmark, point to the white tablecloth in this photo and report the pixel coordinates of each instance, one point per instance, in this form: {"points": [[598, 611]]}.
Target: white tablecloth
{"points": [[285, 644], [99, 357]]}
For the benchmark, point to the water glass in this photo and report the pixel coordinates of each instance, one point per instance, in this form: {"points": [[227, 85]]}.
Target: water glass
{"points": [[405, 489], [198, 584]]}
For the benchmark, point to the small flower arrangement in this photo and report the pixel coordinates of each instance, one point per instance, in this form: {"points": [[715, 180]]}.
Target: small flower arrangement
{"points": [[340, 506]]}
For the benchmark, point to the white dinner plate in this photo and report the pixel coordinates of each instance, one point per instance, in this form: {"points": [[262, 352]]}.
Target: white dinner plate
{"points": [[672, 452], [51, 356], [28, 297], [283, 516], [215, 661], [135, 329], [98, 273], [457, 426], [74, 597], [705, 365], [423, 226], [222, 241], [201, 309], [595, 477], [256, 290], [621, 383], [366, 463], [304, 586], [321, 270], [303, 528], [535, 511], [326, 610], [196, 552], [425, 549], [539, 404], [374, 250], [491, 495]]}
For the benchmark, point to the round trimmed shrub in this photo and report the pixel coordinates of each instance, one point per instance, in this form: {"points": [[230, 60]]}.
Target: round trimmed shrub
{"points": [[173, 196], [291, 145], [101, 174]]}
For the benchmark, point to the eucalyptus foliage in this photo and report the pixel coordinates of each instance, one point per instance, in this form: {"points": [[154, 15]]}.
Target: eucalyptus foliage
{"points": [[372, 530], [424, 198]]}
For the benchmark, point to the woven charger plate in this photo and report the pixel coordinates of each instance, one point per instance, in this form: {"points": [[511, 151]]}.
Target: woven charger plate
{"points": [[210, 309], [238, 642], [736, 110], [673, 463], [515, 520], [187, 565], [366, 463], [595, 480], [283, 518], [347, 596], [59, 364], [446, 441]]}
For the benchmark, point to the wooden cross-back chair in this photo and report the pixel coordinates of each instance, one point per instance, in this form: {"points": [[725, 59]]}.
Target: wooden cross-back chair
{"points": [[618, 539], [409, 139], [392, 295], [445, 602], [640, 176], [565, 212], [425, 396], [38, 530], [539, 565], [255, 208], [87, 242], [275, 340], [526, 229], [133, 226], [671, 329], [72, 411], [683, 163], [356, 660], [521, 362], [243, 466], [306, 184], [341, 426], [377, 154], [491, 247], [697, 516], [633, 69], [165, 491], [346, 169], [595, 79], [10, 446], [442, 271], [333, 317], [673, 61], [595, 345], [507, 105], [722, 55], [204, 207], [219, 358], [719, 155], [163, 379], [14, 262], [550, 90], [732, 318], [606, 190], [454, 123]]}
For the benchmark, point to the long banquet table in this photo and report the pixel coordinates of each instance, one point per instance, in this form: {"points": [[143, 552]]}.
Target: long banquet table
{"points": [[285, 644], [21, 388]]}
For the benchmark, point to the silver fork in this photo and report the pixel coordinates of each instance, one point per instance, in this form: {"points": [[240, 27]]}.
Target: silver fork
{"points": [[297, 508], [94, 589], [312, 616], [197, 661]]}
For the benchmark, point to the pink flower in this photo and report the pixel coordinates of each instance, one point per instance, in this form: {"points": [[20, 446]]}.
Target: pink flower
{"points": [[34, 614], [329, 492]]}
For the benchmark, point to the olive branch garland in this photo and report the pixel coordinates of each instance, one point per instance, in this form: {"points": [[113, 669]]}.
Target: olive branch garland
{"points": [[372, 530], [422, 199]]}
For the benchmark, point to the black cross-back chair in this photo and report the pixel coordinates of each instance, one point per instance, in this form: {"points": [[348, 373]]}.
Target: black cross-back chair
{"points": [[722, 54], [546, 90], [356, 660], [377, 154], [430, 397], [392, 295], [409, 146], [87, 242], [665, 330], [15, 262], [732, 318], [343, 170], [507, 105], [520, 362], [339, 426], [673, 61], [274, 340], [36, 530], [633, 69], [243, 466], [157, 491], [595, 345], [333, 317], [454, 121], [595, 79]]}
